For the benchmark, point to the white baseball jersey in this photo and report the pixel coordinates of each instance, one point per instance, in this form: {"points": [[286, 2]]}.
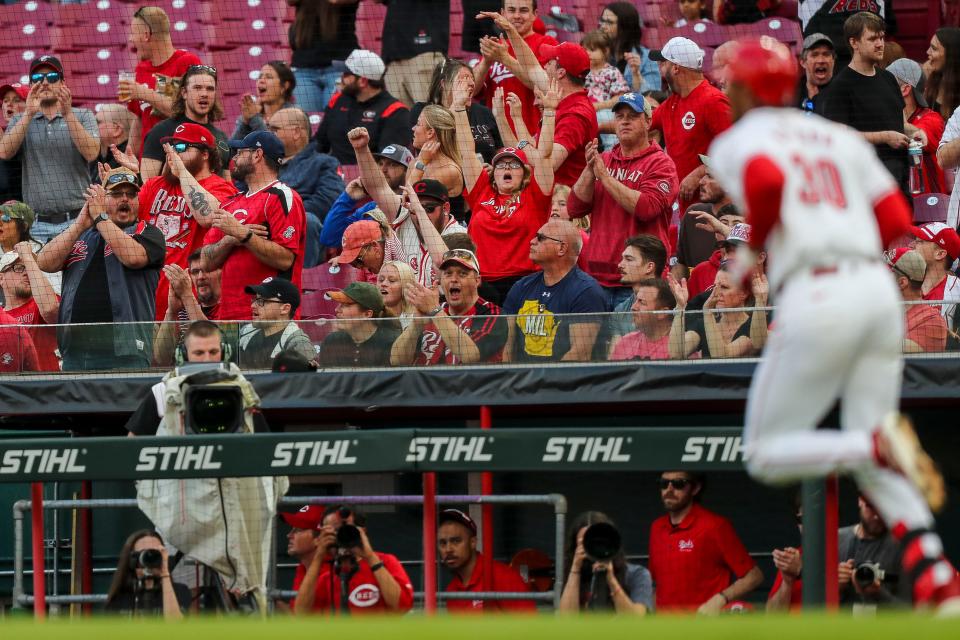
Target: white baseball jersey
{"points": [[832, 178], [417, 255], [951, 133]]}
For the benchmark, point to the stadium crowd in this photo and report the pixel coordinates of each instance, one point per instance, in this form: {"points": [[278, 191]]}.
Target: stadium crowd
{"points": [[444, 211]]}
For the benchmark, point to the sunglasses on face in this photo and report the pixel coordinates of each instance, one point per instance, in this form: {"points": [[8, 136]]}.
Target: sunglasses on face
{"points": [[461, 254], [512, 164], [358, 261], [543, 238], [204, 68], [6, 217], [52, 77], [180, 147], [120, 178], [677, 483], [130, 194]]}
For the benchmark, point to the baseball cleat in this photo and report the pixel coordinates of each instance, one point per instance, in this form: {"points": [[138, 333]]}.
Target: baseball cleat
{"points": [[898, 448]]}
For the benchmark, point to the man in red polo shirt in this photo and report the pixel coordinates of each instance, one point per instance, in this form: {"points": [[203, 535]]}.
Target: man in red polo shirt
{"points": [[693, 552], [150, 95], [692, 116], [457, 543], [247, 257], [376, 581], [492, 71]]}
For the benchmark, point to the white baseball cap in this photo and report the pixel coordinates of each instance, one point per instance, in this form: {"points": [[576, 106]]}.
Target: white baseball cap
{"points": [[365, 64], [681, 51]]}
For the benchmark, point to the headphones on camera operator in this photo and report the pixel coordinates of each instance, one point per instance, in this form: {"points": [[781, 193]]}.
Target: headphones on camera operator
{"points": [[182, 357]]}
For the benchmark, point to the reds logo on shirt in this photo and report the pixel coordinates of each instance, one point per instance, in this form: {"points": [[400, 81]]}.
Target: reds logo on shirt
{"points": [[505, 210], [365, 595], [77, 254], [663, 186], [685, 545], [7, 359], [429, 344], [688, 120], [850, 6], [499, 72]]}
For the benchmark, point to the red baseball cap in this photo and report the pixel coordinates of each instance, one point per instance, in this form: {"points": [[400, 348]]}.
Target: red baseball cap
{"points": [[21, 90], [358, 235], [769, 71], [573, 58], [310, 516], [940, 234], [191, 134], [510, 151]]}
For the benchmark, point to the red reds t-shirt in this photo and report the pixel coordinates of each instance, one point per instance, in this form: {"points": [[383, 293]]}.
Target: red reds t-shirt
{"points": [[146, 73], [44, 337], [500, 76], [163, 205], [689, 125], [503, 225], [576, 126], [280, 209], [363, 591], [693, 561], [481, 322], [17, 352], [932, 124], [298, 577], [505, 579]]}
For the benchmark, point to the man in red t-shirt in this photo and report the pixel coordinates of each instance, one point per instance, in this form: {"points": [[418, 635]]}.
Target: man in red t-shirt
{"points": [[457, 543], [694, 552], [492, 71], [302, 539], [17, 352], [919, 119], [247, 253], [692, 116], [160, 64], [939, 245], [174, 205], [30, 300], [925, 329], [376, 581]]}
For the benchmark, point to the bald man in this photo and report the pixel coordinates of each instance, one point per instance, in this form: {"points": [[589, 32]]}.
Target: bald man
{"points": [[540, 332], [721, 58], [308, 172]]}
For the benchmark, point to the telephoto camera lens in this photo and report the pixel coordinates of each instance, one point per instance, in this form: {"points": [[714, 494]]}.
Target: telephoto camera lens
{"points": [[601, 541], [348, 537], [150, 559]]}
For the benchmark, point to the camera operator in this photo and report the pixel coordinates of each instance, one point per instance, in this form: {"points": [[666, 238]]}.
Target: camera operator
{"points": [[346, 576], [869, 569], [600, 576], [142, 584]]}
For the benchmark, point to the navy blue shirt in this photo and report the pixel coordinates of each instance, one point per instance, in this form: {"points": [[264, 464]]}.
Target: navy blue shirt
{"points": [[541, 333]]}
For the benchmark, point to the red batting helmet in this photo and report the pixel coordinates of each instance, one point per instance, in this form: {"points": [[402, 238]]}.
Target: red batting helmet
{"points": [[767, 69]]}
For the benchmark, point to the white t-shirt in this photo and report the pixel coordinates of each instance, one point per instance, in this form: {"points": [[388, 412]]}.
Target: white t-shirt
{"points": [[951, 133]]}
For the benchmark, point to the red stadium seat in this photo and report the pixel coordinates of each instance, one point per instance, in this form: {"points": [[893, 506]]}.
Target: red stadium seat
{"points": [[14, 65], [786, 31], [240, 10], [322, 278], [97, 61], [28, 12], [706, 34], [188, 34], [370, 17], [91, 12], [76, 37], [201, 11], [930, 207], [36, 35], [253, 31]]}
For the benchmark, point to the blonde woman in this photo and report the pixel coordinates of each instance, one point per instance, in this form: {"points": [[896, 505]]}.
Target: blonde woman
{"points": [[435, 137], [394, 276]]}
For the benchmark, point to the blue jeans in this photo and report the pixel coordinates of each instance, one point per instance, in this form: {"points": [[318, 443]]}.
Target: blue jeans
{"points": [[311, 253], [43, 232], [315, 87]]}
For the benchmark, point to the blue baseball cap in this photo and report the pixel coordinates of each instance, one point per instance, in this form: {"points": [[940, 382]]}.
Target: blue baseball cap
{"points": [[635, 101], [270, 143]]}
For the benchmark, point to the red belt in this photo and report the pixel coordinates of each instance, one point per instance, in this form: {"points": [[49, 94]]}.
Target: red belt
{"points": [[823, 271]]}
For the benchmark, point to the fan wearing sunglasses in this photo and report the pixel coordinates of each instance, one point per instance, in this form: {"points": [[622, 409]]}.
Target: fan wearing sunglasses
{"points": [[58, 141], [694, 551]]}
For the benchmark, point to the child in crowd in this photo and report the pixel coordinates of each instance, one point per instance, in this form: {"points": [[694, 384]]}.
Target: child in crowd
{"points": [[692, 11], [558, 209], [605, 83]]}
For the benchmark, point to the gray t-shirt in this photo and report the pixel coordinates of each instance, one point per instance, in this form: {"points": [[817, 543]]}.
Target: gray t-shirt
{"points": [[55, 175], [639, 585], [883, 551]]}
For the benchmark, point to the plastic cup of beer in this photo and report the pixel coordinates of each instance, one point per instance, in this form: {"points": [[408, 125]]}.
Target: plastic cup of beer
{"points": [[129, 76]]}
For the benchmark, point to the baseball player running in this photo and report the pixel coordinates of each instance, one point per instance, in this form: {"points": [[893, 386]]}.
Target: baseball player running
{"points": [[824, 208]]}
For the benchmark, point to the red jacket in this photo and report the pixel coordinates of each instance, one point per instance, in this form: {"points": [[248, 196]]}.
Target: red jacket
{"points": [[654, 175]]}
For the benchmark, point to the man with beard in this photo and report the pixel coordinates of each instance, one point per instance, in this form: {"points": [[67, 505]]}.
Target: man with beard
{"points": [[273, 330], [868, 542], [817, 60], [115, 261], [692, 116], [193, 295], [257, 234], [362, 102], [172, 205], [56, 143], [693, 551], [196, 103], [457, 544], [160, 67], [353, 204], [30, 299], [421, 249], [867, 98]]}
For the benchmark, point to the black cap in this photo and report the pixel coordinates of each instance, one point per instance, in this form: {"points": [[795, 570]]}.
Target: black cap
{"points": [[48, 61], [431, 189], [455, 515], [278, 288]]}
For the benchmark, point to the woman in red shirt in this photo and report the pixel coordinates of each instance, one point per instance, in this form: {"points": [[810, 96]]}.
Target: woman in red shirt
{"points": [[512, 202]]}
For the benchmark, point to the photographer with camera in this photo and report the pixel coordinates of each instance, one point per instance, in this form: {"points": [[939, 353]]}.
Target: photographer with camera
{"points": [[142, 585], [869, 569], [346, 576], [600, 577]]}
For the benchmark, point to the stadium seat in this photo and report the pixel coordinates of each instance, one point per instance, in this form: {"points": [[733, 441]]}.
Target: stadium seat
{"points": [[930, 207], [370, 17], [247, 58], [91, 13], [98, 61], [36, 34], [786, 31], [15, 64], [254, 31], [321, 278], [186, 10], [77, 37], [240, 10], [707, 34], [188, 34], [28, 12]]}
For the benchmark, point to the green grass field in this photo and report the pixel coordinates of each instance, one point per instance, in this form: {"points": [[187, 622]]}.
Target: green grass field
{"points": [[813, 627]]}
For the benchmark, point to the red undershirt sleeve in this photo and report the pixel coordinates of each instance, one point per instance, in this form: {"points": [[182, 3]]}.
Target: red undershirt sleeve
{"points": [[763, 191], [893, 216]]}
